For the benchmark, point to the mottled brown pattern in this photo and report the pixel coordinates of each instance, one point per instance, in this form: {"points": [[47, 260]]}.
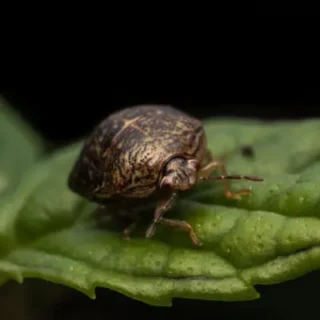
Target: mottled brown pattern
{"points": [[125, 154]]}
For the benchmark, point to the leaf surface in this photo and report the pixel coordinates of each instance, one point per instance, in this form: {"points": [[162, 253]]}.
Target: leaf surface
{"points": [[20, 148], [269, 237]]}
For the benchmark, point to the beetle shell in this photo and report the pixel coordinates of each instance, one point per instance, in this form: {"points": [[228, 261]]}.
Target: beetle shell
{"points": [[125, 153]]}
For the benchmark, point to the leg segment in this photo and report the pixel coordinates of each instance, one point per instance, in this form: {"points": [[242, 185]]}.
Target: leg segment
{"points": [[183, 225], [128, 230], [161, 208], [135, 217], [204, 174], [208, 157]]}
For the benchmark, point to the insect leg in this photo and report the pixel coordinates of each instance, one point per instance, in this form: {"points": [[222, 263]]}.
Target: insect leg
{"points": [[135, 217], [162, 207], [204, 174], [208, 157], [183, 225], [128, 230]]}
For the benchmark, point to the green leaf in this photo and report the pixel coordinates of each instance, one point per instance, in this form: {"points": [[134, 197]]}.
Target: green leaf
{"points": [[269, 237], [20, 148]]}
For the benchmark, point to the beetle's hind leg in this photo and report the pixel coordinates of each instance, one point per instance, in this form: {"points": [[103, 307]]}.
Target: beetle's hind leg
{"points": [[204, 174], [134, 213], [135, 217]]}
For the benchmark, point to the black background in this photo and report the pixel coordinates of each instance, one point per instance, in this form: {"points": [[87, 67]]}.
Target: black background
{"points": [[64, 113]]}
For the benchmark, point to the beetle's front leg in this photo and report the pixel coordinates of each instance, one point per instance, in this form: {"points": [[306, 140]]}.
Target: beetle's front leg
{"points": [[161, 208], [183, 225]]}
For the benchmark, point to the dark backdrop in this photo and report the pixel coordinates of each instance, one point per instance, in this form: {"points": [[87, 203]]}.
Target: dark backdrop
{"points": [[64, 111]]}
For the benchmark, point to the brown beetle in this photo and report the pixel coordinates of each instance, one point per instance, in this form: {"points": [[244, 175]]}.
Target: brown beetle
{"points": [[147, 152]]}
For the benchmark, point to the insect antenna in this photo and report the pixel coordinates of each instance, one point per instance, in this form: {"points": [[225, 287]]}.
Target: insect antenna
{"points": [[231, 177]]}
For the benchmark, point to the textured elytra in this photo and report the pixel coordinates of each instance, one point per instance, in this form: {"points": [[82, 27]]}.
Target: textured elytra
{"points": [[126, 152]]}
